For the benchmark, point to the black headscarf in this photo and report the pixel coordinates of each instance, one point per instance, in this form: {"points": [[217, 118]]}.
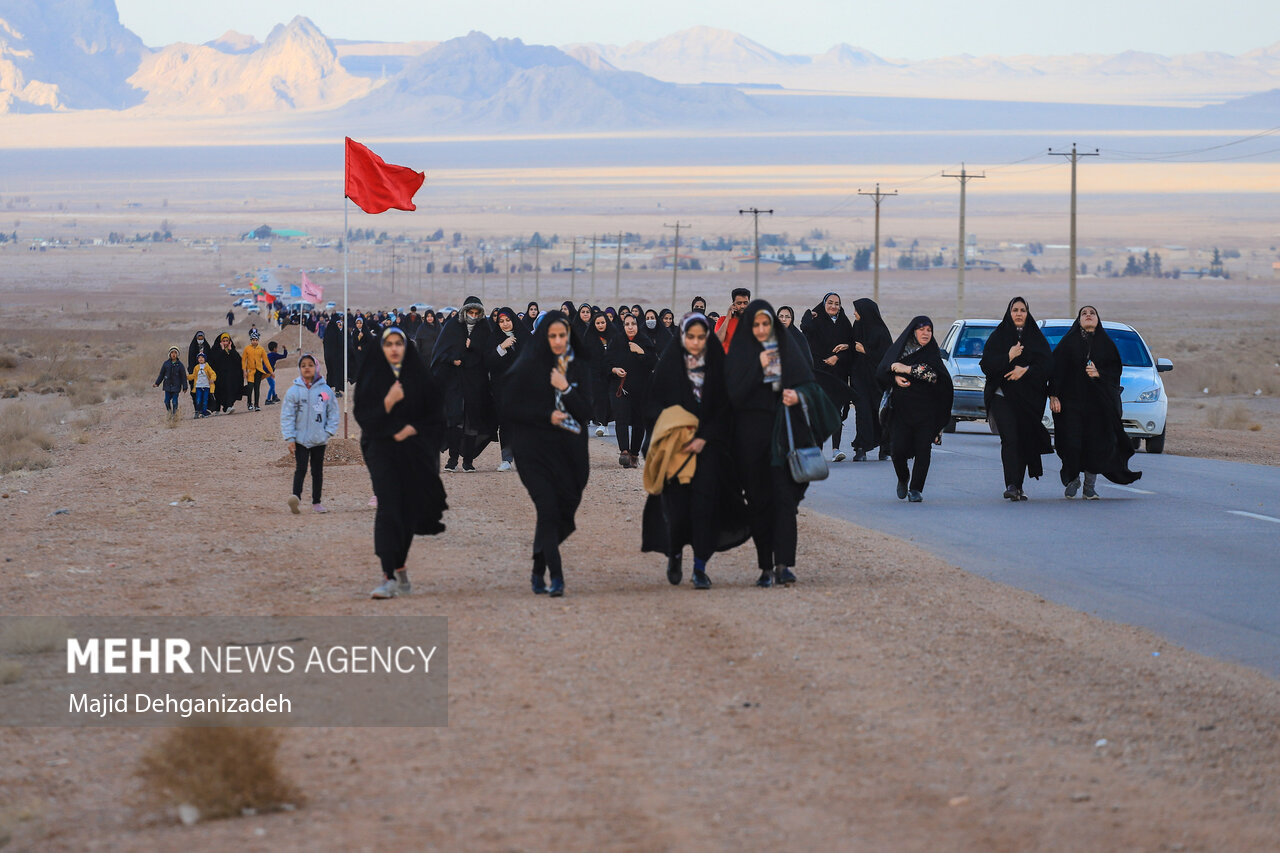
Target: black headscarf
{"points": [[870, 331], [921, 403], [500, 365], [824, 333], [198, 346], [531, 373], [744, 377], [671, 386], [421, 405], [1106, 447]]}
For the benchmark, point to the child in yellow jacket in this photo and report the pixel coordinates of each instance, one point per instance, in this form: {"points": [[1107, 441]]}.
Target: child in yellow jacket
{"points": [[202, 380], [256, 368]]}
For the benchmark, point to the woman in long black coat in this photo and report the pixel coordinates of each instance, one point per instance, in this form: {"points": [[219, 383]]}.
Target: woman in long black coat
{"points": [[458, 365], [398, 407], [509, 340], [830, 337], [364, 340], [630, 359], [225, 360], [337, 354], [424, 339], [763, 367], [1084, 397], [199, 345], [547, 420], [600, 336], [707, 512], [921, 394], [871, 340], [1018, 362]]}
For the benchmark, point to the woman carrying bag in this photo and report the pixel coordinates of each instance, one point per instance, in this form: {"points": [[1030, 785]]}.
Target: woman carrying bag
{"points": [[921, 393]]}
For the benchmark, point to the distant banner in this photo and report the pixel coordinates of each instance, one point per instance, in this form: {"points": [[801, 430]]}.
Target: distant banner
{"points": [[294, 291], [311, 291]]}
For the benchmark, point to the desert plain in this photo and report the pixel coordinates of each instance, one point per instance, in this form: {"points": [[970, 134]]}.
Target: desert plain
{"points": [[889, 701]]}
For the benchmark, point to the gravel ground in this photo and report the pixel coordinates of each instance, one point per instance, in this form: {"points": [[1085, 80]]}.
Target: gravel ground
{"points": [[888, 701]]}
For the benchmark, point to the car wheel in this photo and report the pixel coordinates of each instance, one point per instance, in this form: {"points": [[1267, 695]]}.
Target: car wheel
{"points": [[1155, 444], [951, 426]]}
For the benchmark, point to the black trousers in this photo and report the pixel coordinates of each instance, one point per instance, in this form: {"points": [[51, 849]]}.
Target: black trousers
{"points": [[253, 390], [628, 423], [773, 499], [315, 457], [907, 441], [461, 444], [690, 509], [393, 523], [1011, 459]]}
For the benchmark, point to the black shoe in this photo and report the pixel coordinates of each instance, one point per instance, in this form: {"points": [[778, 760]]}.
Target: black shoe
{"points": [[859, 456], [700, 580], [902, 489], [883, 456], [539, 582], [1011, 493], [766, 579], [452, 465], [1071, 488], [1091, 494], [914, 497], [784, 576], [557, 587], [1022, 496], [468, 467], [674, 572]]}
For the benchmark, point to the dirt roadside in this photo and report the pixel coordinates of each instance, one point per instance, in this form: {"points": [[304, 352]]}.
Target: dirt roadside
{"points": [[888, 701]]}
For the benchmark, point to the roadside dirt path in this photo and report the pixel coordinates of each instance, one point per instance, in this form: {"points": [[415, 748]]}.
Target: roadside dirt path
{"points": [[888, 701]]}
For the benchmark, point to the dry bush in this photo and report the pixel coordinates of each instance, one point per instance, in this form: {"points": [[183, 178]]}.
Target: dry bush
{"points": [[59, 366], [10, 671], [86, 393], [221, 771], [34, 634], [1234, 417], [24, 444], [8, 361]]}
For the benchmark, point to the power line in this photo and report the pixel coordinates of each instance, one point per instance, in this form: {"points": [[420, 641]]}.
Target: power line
{"points": [[1075, 157], [755, 215], [961, 252], [877, 197]]}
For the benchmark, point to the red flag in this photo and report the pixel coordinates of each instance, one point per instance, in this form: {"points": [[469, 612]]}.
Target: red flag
{"points": [[311, 292], [375, 185]]}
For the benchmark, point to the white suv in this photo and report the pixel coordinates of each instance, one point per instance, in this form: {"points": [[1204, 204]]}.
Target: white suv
{"points": [[1142, 393]]}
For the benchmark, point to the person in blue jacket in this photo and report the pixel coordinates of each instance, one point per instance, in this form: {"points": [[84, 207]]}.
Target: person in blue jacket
{"points": [[308, 419], [173, 375]]}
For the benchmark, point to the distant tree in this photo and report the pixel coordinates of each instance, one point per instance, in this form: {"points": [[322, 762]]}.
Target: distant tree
{"points": [[457, 238], [825, 262], [1215, 268], [1028, 267], [1083, 269], [890, 243], [862, 260], [436, 236], [1132, 267], [1157, 269]]}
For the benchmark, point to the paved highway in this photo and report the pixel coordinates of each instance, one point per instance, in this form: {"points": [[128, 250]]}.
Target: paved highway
{"points": [[1191, 551]]}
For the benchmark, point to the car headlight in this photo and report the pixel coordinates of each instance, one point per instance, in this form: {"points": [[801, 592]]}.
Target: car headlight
{"points": [[969, 383], [1150, 395]]}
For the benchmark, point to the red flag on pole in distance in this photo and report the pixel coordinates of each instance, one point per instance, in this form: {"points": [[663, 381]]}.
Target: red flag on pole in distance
{"points": [[311, 292], [375, 185]]}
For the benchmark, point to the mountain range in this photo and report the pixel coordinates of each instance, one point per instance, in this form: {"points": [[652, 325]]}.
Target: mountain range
{"points": [[65, 56]]}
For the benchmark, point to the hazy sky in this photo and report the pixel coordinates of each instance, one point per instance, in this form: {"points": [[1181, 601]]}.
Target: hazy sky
{"points": [[911, 29]]}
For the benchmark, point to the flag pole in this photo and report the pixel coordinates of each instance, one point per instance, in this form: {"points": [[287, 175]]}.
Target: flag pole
{"points": [[346, 398]]}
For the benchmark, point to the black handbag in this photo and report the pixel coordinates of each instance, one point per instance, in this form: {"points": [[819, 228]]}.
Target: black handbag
{"points": [[886, 410], [805, 463]]}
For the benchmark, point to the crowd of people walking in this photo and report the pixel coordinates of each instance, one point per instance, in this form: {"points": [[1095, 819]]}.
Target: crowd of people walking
{"points": [[727, 412]]}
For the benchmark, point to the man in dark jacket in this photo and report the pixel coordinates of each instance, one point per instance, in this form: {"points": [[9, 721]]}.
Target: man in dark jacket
{"points": [[173, 375]]}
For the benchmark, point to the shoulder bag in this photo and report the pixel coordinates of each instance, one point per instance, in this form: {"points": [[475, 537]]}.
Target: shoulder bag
{"points": [[805, 463]]}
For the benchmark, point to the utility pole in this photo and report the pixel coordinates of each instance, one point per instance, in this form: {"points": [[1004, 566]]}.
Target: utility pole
{"points": [[537, 273], [593, 268], [506, 264], [573, 269], [961, 258], [393, 266], [675, 259], [522, 269], [617, 273], [755, 215], [877, 197], [1075, 156]]}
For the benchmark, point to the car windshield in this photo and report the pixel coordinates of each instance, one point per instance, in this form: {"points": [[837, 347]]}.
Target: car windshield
{"points": [[971, 341], [1133, 352]]}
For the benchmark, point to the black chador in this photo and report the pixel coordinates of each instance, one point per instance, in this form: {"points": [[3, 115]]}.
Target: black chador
{"points": [[1016, 402], [921, 393], [458, 365], [1089, 430], [826, 333], [869, 331], [230, 372], [199, 344], [548, 419], [405, 472], [706, 512]]}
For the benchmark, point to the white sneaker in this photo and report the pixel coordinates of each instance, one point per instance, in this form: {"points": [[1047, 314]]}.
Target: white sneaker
{"points": [[505, 466], [386, 590], [402, 582], [293, 504], [839, 457], [599, 431]]}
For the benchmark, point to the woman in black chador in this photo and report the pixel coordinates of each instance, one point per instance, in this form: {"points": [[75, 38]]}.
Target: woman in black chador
{"points": [[226, 364], [510, 337], [338, 363], [599, 338], [1017, 362], [398, 407], [364, 340], [199, 345], [763, 368], [1085, 400], [547, 419], [830, 336], [871, 340], [631, 357], [457, 363], [921, 394], [699, 503]]}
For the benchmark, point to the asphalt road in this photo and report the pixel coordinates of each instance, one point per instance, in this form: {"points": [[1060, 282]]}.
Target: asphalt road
{"points": [[1191, 551]]}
